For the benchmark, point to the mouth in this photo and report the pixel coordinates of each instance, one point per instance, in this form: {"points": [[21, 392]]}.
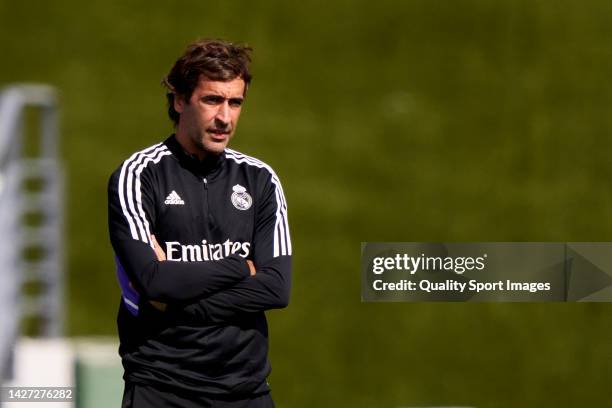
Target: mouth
{"points": [[218, 134]]}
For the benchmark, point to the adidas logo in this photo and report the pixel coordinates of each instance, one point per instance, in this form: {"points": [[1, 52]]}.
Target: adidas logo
{"points": [[174, 199]]}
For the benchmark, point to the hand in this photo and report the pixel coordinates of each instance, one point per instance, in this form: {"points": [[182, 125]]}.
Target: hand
{"points": [[159, 253], [158, 305], [161, 256], [251, 267]]}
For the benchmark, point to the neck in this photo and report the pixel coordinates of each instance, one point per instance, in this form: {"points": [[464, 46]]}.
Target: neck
{"points": [[189, 146]]}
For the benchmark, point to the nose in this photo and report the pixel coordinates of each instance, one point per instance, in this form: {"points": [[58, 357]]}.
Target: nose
{"points": [[223, 114]]}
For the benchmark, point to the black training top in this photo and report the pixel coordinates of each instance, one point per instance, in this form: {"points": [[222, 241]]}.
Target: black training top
{"points": [[208, 217]]}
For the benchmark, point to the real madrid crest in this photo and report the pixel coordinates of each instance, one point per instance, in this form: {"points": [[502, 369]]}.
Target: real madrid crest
{"points": [[240, 198]]}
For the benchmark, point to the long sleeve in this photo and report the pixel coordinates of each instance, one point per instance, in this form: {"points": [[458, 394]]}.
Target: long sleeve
{"points": [[270, 287], [131, 217]]}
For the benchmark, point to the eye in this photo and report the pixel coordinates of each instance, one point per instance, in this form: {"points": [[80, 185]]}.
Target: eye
{"points": [[235, 102], [212, 99]]}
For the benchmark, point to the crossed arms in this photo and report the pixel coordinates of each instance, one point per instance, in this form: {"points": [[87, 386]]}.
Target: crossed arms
{"points": [[161, 257], [210, 291]]}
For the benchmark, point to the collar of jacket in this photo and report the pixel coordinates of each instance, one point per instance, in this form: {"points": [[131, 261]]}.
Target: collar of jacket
{"points": [[209, 167]]}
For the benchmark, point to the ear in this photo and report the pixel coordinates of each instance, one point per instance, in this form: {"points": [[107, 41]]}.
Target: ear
{"points": [[179, 102]]}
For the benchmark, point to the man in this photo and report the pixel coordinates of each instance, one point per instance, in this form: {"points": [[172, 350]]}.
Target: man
{"points": [[202, 247]]}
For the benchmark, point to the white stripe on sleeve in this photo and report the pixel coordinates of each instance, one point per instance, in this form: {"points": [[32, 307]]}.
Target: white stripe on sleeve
{"points": [[282, 240]]}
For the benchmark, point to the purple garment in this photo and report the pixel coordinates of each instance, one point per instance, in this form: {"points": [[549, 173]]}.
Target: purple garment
{"points": [[130, 296]]}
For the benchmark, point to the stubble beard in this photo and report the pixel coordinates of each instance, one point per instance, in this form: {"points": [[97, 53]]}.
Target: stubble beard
{"points": [[208, 149]]}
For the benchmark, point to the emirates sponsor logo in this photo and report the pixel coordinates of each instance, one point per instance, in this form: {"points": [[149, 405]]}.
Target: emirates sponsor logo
{"points": [[206, 251]]}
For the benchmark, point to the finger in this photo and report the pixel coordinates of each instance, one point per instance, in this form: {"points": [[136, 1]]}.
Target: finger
{"points": [[159, 253], [161, 256], [158, 305], [251, 265]]}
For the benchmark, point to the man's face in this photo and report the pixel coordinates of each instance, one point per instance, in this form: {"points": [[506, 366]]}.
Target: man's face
{"points": [[209, 120]]}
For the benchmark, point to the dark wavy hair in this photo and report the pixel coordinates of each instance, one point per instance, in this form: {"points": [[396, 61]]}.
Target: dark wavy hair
{"points": [[215, 60]]}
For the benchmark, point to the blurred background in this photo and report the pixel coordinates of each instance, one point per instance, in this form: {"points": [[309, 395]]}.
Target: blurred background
{"points": [[465, 120]]}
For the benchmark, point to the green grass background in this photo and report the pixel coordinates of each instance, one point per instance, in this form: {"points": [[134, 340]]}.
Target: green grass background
{"points": [[467, 120]]}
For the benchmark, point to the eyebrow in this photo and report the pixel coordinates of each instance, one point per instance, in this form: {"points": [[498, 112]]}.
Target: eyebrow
{"points": [[222, 98]]}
